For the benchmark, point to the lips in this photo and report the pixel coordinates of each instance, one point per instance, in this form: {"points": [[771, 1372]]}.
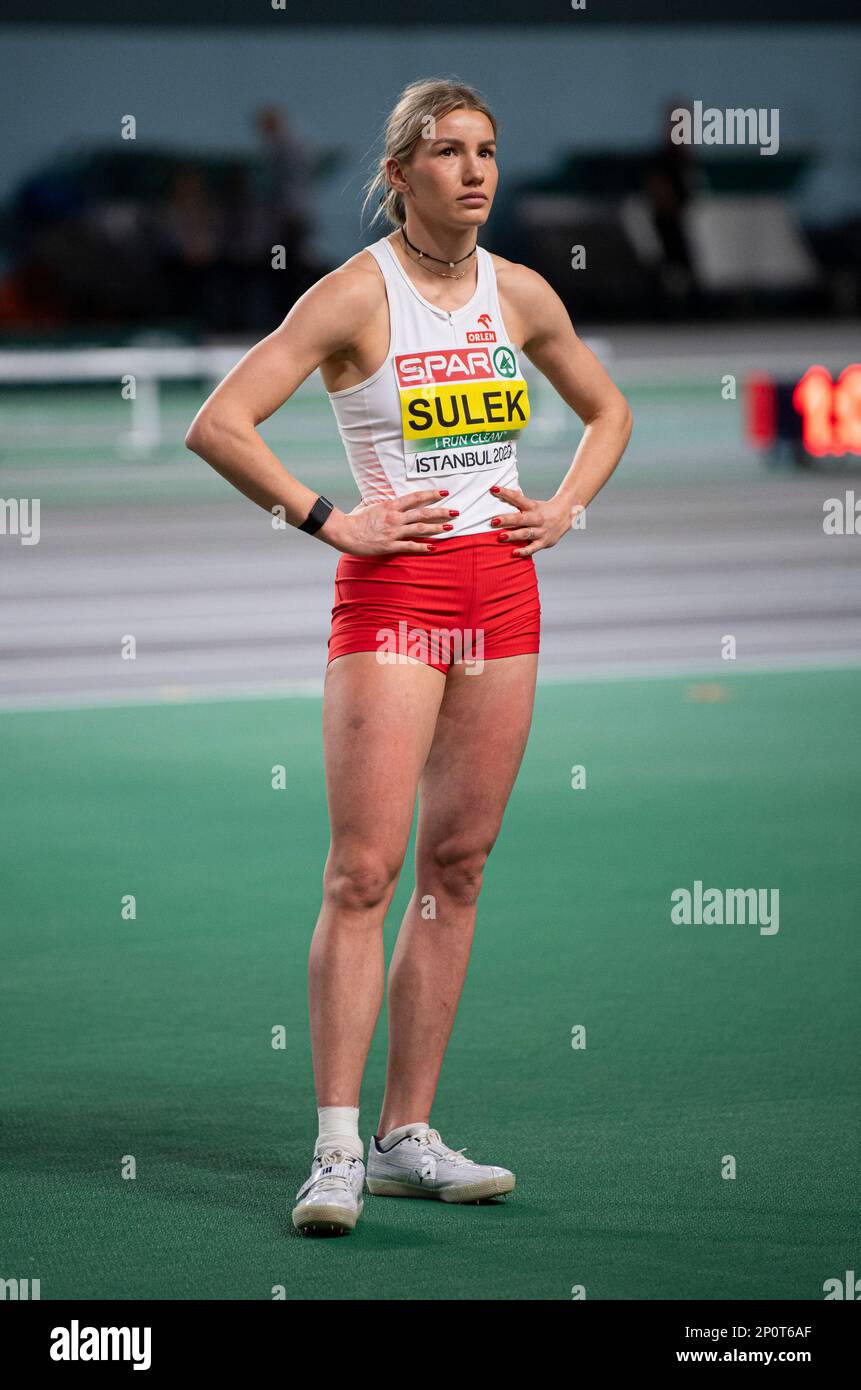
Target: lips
{"points": [[472, 198]]}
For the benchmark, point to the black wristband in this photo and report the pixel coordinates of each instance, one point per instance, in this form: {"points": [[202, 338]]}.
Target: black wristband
{"points": [[318, 514]]}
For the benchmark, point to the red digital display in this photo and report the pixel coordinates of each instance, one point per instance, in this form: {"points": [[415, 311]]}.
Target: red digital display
{"points": [[816, 410], [761, 411], [830, 411]]}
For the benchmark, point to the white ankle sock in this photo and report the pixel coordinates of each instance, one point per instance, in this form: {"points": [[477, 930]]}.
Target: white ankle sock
{"points": [[339, 1129]]}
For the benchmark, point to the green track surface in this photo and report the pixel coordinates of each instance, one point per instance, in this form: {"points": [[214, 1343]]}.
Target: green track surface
{"points": [[152, 1038]]}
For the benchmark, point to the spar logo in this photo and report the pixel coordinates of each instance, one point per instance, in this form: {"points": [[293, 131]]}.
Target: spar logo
{"points": [[504, 363], [444, 364]]}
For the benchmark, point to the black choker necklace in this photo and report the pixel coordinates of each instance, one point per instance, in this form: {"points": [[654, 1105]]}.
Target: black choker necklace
{"points": [[425, 256]]}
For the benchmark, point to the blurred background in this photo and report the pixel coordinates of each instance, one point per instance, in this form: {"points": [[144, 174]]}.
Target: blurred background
{"points": [[162, 647], [149, 169]]}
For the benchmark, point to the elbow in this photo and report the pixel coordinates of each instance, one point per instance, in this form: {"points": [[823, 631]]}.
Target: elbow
{"points": [[624, 417], [194, 437], [212, 430], [616, 417], [201, 433]]}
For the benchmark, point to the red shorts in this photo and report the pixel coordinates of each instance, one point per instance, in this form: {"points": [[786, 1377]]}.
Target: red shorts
{"points": [[471, 600]]}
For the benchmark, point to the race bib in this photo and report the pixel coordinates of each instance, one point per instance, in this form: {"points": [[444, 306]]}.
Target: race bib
{"points": [[462, 410]]}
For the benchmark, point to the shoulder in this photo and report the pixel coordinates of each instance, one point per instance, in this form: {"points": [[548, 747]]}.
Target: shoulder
{"points": [[530, 302], [337, 310], [357, 286], [520, 284]]}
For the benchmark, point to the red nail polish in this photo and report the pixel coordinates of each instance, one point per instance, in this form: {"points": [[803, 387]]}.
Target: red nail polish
{"points": [[494, 489], [495, 521], [451, 513], [503, 535], [447, 526], [444, 492]]}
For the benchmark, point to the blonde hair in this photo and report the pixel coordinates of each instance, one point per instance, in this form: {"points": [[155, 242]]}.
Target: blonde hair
{"points": [[430, 98]]}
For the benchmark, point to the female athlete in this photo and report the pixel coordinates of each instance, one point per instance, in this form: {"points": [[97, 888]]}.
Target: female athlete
{"points": [[435, 628]]}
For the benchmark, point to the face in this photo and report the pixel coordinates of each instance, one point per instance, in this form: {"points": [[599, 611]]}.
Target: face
{"points": [[452, 171]]}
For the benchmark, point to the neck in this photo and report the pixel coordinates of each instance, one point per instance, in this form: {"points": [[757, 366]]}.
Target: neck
{"points": [[446, 243]]}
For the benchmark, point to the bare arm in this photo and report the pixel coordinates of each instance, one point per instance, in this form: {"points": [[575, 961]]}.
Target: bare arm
{"points": [[552, 345], [325, 321]]}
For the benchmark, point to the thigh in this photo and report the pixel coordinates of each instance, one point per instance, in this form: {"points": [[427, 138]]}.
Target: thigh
{"points": [[378, 726], [481, 732]]}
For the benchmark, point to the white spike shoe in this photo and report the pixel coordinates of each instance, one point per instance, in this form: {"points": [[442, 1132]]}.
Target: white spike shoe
{"points": [[421, 1165], [330, 1202]]}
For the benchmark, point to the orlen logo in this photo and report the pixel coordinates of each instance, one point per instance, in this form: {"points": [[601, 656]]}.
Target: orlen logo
{"points": [[446, 364], [488, 336]]}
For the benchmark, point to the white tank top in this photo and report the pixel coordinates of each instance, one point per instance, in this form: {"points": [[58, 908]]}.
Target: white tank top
{"points": [[446, 407]]}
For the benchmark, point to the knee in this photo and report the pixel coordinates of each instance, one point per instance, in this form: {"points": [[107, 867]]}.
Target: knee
{"points": [[457, 870], [359, 881]]}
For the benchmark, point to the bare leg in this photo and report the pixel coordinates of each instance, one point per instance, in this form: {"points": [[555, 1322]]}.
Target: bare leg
{"points": [[378, 723], [481, 733]]}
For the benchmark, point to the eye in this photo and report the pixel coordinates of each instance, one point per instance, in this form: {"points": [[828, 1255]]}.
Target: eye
{"points": [[449, 149]]}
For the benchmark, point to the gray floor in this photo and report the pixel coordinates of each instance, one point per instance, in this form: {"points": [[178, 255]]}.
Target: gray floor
{"points": [[218, 603]]}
